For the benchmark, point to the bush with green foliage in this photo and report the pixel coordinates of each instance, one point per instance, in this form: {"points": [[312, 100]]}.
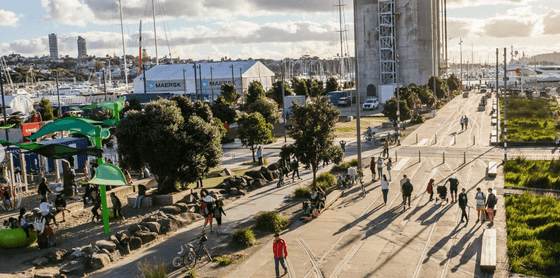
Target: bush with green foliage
{"points": [[244, 237], [453, 83], [299, 87], [390, 109], [229, 92], [268, 108], [271, 222], [222, 110], [275, 93], [328, 178], [253, 130], [228, 259], [532, 173], [152, 270], [191, 274], [417, 118], [46, 110], [531, 119], [442, 91], [303, 192], [533, 229], [332, 85]]}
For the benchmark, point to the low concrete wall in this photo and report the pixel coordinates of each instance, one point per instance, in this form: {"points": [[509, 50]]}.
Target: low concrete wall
{"points": [[166, 200]]}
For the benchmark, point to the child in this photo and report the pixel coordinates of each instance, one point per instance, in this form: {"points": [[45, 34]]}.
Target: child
{"points": [[218, 211], [6, 225], [117, 205]]}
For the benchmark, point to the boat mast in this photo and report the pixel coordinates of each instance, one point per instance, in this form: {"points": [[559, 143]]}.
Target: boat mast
{"points": [[155, 33], [140, 50], [123, 49], [341, 40]]}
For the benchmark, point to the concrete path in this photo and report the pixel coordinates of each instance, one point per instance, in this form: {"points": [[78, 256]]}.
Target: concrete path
{"points": [[363, 237]]}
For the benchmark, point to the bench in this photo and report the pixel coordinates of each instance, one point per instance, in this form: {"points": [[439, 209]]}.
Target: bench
{"points": [[494, 121], [488, 252], [492, 169], [481, 108], [146, 202], [494, 132], [493, 139]]}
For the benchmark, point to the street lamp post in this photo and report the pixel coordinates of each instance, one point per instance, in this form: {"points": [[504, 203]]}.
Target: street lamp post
{"points": [[461, 74], [358, 133], [212, 83]]}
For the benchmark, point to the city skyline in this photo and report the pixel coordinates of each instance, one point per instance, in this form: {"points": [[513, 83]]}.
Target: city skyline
{"points": [[259, 28]]}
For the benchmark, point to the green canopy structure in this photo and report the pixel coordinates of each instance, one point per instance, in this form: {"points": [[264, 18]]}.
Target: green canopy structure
{"points": [[108, 174], [57, 151], [7, 126], [76, 125], [26, 146]]}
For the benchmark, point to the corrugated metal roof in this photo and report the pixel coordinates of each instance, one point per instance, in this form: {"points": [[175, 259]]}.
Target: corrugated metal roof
{"points": [[219, 70]]}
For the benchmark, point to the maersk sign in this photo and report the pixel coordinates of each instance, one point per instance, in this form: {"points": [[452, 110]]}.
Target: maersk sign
{"points": [[158, 86]]}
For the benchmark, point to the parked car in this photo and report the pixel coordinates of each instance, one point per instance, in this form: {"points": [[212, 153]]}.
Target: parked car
{"points": [[370, 104], [483, 88], [344, 101]]}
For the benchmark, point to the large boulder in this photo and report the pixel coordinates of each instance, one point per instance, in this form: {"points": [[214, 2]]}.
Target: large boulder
{"points": [[55, 255], [236, 181], [267, 174], [40, 261], [171, 209], [74, 268], [114, 239], [146, 236], [106, 244], [273, 167], [258, 183], [224, 185], [275, 174], [190, 199], [233, 191], [135, 243], [182, 206], [226, 172], [100, 260], [133, 229], [154, 227], [48, 272], [169, 225], [115, 256], [254, 174], [121, 235], [243, 192]]}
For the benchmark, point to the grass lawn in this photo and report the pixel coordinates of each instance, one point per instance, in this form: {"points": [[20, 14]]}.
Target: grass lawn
{"points": [[533, 228], [214, 178], [348, 129], [531, 119], [532, 173]]}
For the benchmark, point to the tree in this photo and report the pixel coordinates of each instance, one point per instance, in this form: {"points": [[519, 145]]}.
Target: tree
{"points": [[275, 92], [253, 130], [268, 108], [332, 85], [222, 110], [426, 96], [46, 109], [315, 88], [177, 139], [229, 92], [442, 91], [299, 87], [254, 92], [98, 66], [390, 109], [313, 131], [453, 83]]}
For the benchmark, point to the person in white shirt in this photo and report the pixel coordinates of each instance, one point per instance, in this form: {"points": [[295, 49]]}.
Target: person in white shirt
{"points": [[46, 211], [384, 188]]}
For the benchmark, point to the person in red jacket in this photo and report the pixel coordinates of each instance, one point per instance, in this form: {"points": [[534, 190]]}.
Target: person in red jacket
{"points": [[280, 252]]}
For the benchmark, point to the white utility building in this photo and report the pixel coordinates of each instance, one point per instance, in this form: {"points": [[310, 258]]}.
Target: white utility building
{"points": [[207, 80]]}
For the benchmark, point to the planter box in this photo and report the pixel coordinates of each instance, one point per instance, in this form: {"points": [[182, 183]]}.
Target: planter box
{"points": [[165, 200]]}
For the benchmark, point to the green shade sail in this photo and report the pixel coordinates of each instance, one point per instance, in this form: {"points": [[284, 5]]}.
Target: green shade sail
{"points": [[77, 125], [27, 146], [7, 126], [57, 151], [108, 174]]}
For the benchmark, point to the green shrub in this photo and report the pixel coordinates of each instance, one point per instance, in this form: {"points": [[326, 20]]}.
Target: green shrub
{"points": [[303, 192], [224, 261], [271, 222], [244, 236], [353, 163], [328, 177], [152, 270], [191, 274]]}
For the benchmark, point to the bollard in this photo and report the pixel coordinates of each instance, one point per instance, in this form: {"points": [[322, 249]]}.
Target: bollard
{"points": [[435, 136], [455, 139], [443, 157], [396, 156], [473, 140], [419, 156], [416, 138], [464, 158]]}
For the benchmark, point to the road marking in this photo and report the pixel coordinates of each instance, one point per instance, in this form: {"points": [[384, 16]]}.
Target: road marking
{"points": [[423, 142], [401, 163]]}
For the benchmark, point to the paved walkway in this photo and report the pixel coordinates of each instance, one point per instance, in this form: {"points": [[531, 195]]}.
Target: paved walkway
{"points": [[362, 237]]}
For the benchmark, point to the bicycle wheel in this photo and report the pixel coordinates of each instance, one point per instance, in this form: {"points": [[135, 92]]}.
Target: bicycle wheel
{"points": [[207, 253], [177, 262], [189, 261]]}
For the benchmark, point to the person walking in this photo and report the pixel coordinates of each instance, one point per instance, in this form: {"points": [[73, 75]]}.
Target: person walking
{"points": [[385, 188], [480, 204], [206, 208], [491, 204], [295, 168], [462, 121], [96, 207], [280, 251], [218, 211], [386, 147], [453, 187], [379, 167], [259, 155], [389, 165], [463, 203], [45, 209], [117, 206], [44, 189], [372, 168], [343, 145], [430, 189], [466, 122], [407, 189]]}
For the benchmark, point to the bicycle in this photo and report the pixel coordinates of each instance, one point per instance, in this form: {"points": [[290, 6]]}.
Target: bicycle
{"points": [[372, 138], [188, 257], [361, 179], [280, 180]]}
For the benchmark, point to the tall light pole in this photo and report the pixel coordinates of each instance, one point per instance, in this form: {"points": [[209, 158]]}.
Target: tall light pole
{"points": [[212, 83], [4, 105], [461, 74], [283, 104], [505, 103], [359, 139]]}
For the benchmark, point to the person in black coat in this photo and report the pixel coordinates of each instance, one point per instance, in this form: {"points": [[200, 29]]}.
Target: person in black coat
{"points": [[43, 189], [463, 202]]}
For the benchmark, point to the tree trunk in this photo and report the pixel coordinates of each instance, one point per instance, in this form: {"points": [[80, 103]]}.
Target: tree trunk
{"points": [[253, 151], [314, 167]]}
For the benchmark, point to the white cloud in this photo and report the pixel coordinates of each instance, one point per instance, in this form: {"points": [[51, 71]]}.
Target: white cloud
{"points": [[70, 12], [551, 23], [8, 18]]}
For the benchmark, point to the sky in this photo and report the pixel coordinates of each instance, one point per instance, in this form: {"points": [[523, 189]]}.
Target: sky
{"points": [[273, 29]]}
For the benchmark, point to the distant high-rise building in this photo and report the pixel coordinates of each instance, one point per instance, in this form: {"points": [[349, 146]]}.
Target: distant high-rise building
{"points": [[53, 45], [82, 47]]}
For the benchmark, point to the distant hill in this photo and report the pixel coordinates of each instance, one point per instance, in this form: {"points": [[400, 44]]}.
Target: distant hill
{"points": [[550, 58]]}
